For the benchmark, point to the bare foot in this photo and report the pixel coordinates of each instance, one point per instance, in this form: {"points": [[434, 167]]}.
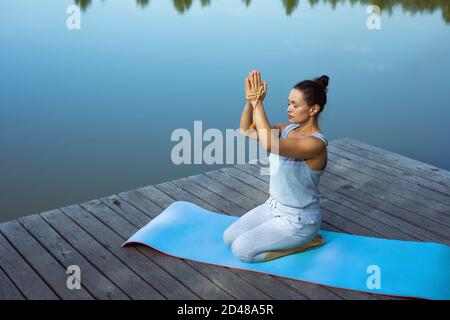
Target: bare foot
{"points": [[317, 241]]}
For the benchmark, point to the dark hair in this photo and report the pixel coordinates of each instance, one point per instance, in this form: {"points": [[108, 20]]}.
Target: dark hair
{"points": [[314, 91]]}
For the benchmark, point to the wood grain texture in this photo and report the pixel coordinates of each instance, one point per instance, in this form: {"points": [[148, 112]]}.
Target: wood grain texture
{"points": [[365, 190]]}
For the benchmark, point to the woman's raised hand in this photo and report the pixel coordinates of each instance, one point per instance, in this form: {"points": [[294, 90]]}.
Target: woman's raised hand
{"points": [[254, 90]]}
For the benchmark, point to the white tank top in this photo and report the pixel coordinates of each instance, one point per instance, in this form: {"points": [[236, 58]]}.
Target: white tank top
{"points": [[295, 184]]}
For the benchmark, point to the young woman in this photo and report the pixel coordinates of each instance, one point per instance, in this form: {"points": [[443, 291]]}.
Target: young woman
{"points": [[289, 220]]}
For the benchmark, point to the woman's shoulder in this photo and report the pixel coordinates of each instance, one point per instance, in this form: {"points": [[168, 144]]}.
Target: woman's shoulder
{"points": [[280, 126], [321, 137]]}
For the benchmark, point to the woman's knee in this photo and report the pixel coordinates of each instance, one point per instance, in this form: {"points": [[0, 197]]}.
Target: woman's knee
{"points": [[241, 250], [228, 236]]}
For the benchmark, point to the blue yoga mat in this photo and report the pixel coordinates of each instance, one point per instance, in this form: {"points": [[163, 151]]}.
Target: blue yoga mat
{"points": [[381, 266]]}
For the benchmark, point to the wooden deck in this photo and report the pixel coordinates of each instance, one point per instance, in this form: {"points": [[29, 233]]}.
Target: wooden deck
{"points": [[365, 190]]}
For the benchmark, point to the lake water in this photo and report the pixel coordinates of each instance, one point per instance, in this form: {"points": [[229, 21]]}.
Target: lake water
{"points": [[87, 113]]}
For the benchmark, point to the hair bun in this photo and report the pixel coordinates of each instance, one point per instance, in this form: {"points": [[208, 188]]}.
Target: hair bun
{"points": [[323, 81]]}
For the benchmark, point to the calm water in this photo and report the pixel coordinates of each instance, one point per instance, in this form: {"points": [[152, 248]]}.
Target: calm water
{"points": [[88, 113]]}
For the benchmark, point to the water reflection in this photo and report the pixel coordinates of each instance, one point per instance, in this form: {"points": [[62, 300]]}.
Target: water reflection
{"points": [[412, 6]]}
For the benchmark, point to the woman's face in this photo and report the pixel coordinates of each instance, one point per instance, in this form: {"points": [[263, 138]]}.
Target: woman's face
{"points": [[298, 110]]}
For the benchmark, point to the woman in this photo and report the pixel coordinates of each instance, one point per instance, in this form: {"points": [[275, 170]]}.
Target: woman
{"points": [[290, 219]]}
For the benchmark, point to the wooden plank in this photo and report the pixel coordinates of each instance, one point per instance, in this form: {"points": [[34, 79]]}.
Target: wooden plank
{"points": [[178, 268], [397, 160], [329, 220], [223, 191], [212, 198], [222, 277], [247, 191], [128, 281], [178, 194], [8, 291], [278, 289], [92, 279], [437, 221], [23, 276], [265, 282], [128, 212], [399, 188], [249, 180], [432, 229], [401, 167], [390, 193], [414, 207], [423, 196], [350, 195], [42, 262], [312, 291], [375, 172], [85, 216], [375, 207], [253, 170], [373, 218], [338, 224], [346, 294], [360, 198], [365, 190]]}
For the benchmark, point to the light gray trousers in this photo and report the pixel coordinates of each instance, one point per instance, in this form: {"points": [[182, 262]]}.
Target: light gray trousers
{"points": [[271, 226]]}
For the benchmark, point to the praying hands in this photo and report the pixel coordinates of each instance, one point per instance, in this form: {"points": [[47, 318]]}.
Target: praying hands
{"points": [[254, 91]]}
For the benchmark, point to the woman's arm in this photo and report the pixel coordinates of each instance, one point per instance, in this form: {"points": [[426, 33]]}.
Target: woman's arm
{"points": [[267, 135], [304, 148], [246, 120]]}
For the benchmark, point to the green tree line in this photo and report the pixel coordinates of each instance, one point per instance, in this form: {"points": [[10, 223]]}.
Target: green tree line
{"points": [[412, 6]]}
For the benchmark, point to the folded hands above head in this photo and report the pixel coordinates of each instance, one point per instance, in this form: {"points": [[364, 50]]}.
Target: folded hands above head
{"points": [[255, 91]]}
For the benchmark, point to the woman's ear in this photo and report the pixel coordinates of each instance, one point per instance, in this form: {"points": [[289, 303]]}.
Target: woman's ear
{"points": [[314, 107]]}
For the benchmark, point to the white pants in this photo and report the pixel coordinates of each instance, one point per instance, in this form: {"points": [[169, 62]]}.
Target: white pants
{"points": [[271, 226]]}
